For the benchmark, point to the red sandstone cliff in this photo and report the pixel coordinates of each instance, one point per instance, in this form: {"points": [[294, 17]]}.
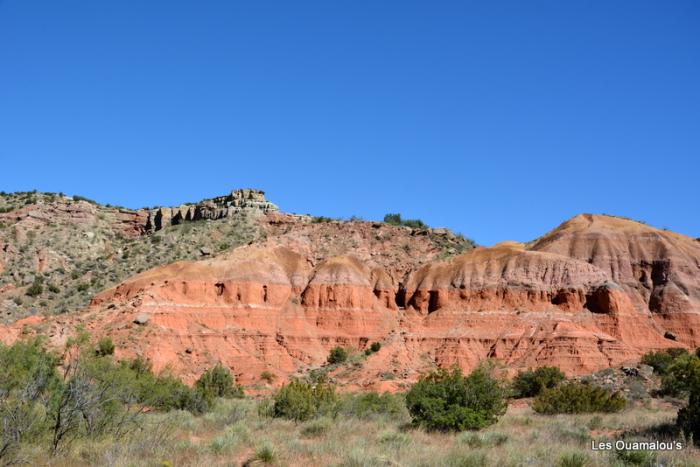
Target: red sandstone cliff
{"points": [[593, 293]]}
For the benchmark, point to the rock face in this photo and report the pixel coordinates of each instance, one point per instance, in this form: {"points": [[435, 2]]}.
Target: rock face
{"points": [[658, 270], [250, 200], [596, 292]]}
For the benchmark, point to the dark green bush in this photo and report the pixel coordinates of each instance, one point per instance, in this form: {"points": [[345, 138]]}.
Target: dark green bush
{"points": [[575, 397], [337, 355], [375, 346], [104, 347], [322, 219], [680, 376], [662, 360], [34, 290], [530, 383], [300, 401], [447, 400], [395, 219], [689, 417], [218, 382]]}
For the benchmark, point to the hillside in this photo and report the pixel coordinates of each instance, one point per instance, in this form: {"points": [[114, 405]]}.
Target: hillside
{"points": [[57, 251], [596, 292]]}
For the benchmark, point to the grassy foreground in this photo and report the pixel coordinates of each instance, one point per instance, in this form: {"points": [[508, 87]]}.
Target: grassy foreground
{"points": [[234, 434]]}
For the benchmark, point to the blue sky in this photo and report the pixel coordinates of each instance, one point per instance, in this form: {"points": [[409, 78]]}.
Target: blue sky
{"points": [[497, 119]]}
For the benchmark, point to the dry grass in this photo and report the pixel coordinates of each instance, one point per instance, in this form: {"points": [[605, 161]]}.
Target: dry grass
{"points": [[235, 434]]}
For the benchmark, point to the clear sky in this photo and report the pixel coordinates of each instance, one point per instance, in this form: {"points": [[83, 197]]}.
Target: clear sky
{"points": [[498, 119]]}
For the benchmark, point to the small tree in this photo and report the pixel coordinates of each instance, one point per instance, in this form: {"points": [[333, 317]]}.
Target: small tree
{"points": [[337, 355], [300, 401], [375, 347], [447, 400], [661, 361], [218, 382], [680, 376], [689, 417]]}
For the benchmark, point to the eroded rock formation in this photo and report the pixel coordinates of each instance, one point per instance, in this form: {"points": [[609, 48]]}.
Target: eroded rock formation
{"points": [[596, 292], [248, 200]]}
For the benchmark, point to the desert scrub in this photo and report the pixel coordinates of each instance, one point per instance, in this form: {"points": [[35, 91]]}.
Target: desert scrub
{"points": [[530, 383], [372, 404], [662, 360], [446, 400], [218, 382], [337, 355], [301, 401], [576, 397]]}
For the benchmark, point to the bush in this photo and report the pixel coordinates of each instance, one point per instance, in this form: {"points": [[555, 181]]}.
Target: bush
{"points": [[371, 404], [337, 355], [447, 400], [530, 383], [661, 361], [301, 401], [34, 290], [375, 347], [395, 219], [689, 417], [218, 382], [104, 347], [680, 375], [577, 397]]}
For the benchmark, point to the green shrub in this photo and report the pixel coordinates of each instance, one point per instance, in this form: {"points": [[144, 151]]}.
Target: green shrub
{"points": [[104, 347], [643, 458], [34, 290], [447, 400], [218, 382], [337, 355], [573, 459], [301, 401], [530, 383], [680, 375], [321, 219], [661, 361], [689, 417], [317, 427], [574, 397], [371, 404], [395, 219], [265, 454], [53, 289], [375, 347]]}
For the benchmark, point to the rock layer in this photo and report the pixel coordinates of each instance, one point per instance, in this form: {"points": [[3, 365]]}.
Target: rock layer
{"points": [[596, 292]]}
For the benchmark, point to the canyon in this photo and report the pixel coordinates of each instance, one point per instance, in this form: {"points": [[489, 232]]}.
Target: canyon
{"points": [[596, 292]]}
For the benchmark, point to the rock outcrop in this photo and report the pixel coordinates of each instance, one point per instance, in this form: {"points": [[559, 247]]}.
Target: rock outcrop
{"points": [[596, 292], [242, 200], [658, 270]]}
